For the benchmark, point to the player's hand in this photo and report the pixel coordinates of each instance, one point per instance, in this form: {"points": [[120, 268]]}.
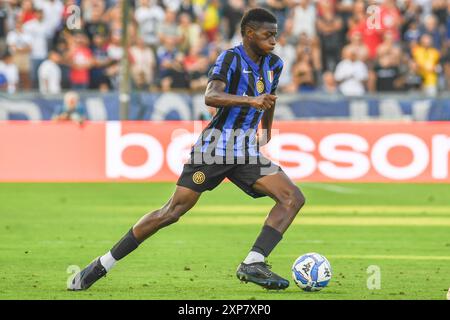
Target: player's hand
{"points": [[264, 101]]}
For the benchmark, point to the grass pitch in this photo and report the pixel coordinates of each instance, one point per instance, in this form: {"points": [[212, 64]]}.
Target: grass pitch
{"points": [[46, 229]]}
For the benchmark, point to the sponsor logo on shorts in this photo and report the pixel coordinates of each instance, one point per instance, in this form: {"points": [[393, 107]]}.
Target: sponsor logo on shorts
{"points": [[198, 177]]}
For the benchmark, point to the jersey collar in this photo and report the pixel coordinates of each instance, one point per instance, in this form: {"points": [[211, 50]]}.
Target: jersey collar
{"points": [[252, 64]]}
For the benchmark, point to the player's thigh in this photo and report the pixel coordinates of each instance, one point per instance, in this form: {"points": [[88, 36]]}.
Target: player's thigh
{"points": [[280, 188]]}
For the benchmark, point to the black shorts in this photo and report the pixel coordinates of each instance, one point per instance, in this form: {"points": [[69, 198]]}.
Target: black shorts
{"points": [[202, 177]]}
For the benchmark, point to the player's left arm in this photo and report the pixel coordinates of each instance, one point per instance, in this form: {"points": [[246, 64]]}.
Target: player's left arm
{"points": [[267, 118]]}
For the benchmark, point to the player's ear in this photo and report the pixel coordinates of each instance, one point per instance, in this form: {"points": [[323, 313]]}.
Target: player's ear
{"points": [[249, 32]]}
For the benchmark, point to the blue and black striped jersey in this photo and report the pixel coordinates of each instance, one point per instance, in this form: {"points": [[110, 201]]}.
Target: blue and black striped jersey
{"points": [[234, 128]]}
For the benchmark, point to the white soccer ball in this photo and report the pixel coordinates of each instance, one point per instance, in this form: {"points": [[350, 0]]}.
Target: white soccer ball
{"points": [[311, 272]]}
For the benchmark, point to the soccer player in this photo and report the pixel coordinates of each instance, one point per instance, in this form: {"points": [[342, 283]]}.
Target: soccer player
{"points": [[242, 86]]}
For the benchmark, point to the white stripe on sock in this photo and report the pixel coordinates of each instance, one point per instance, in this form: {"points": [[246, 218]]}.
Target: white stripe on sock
{"points": [[253, 257], [108, 261]]}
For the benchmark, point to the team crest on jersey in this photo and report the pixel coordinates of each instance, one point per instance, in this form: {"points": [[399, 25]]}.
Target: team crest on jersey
{"points": [[198, 177], [270, 76], [260, 86]]}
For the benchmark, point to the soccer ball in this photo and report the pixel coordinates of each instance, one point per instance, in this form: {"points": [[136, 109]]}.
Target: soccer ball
{"points": [[311, 272]]}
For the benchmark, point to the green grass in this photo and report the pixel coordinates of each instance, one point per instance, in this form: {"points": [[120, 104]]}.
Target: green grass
{"points": [[402, 228]]}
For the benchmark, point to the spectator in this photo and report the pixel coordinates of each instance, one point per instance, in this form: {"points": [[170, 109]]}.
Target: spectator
{"points": [[330, 30], [190, 32], [328, 83], [351, 74], [149, 17], [386, 74], [197, 67], [412, 35], [27, 12], [19, 45], [176, 77], [310, 47], [211, 19], [52, 15], [344, 9], [303, 74], [187, 7], [279, 8], [303, 18], [50, 74], [143, 66], [412, 78], [101, 60], [370, 31], [358, 46], [172, 5], [288, 54], [3, 26], [389, 48], [94, 24], [232, 15], [390, 18], [37, 31], [169, 30], [411, 15], [439, 10], [431, 28], [166, 55], [356, 13], [80, 60], [71, 110], [115, 54], [9, 74], [427, 59]]}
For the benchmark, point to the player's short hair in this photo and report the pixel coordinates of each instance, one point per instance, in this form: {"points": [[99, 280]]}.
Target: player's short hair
{"points": [[256, 16]]}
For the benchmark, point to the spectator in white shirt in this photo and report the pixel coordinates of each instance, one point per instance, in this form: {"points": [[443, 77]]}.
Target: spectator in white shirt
{"points": [[9, 74], [144, 64], [149, 16], [37, 30], [351, 74], [304, 18], [53, 12], [49, 74], [19, 45]]}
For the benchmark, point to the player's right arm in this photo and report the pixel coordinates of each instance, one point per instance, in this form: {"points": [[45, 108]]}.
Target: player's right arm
{"points": [[220, 76], [216, 96]]}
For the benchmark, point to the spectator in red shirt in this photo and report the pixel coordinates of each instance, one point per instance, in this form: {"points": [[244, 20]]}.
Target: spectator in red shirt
{"points": [[369, 28], [80, 60], [390, 18], [27, 12]]}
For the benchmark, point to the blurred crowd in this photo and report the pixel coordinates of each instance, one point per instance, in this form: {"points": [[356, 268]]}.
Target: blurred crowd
{"points": [[348, 46]]}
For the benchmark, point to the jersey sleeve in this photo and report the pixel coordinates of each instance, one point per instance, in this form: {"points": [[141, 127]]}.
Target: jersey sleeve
{"points": [[223, 68], [276, 76]]}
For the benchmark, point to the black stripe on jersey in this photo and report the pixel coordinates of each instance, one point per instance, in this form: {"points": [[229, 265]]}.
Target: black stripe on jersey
{"points": [[245, 110], [222, 113], [226, 63], [232, 89], [273, 60]]}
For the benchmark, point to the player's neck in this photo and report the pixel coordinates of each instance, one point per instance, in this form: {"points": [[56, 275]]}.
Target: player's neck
{"points": [[256, 58]]}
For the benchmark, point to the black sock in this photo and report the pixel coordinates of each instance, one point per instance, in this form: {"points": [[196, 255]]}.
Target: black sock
{"points": [[267, 240], [125, 246]]}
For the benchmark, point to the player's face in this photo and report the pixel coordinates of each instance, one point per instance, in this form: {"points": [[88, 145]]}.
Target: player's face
{"points": [[264, 38]]}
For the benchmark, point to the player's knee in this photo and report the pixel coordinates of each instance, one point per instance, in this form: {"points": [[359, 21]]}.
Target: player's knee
{"points": [[174, 212], [294, 200], [172, 217]]}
